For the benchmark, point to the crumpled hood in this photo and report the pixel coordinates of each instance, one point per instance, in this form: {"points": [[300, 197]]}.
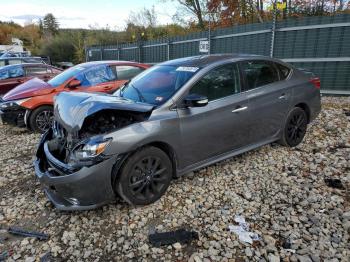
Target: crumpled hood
{"points": [[71, 108], [33, 87]]}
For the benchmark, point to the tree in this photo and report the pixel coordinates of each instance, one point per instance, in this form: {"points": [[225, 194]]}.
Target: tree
{"points": [[198, 8], [50, 24]]}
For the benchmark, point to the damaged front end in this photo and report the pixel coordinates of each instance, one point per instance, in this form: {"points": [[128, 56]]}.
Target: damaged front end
{"points": [[71, 163]]}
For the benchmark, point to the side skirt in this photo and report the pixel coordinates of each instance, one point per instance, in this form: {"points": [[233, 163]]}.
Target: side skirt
{"points": [[223, 156]]}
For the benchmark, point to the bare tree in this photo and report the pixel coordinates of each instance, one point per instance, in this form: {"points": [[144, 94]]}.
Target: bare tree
{"points": [[197, 8]]}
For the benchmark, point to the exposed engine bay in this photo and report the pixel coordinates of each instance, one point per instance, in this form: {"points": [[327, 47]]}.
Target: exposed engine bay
{"points": [[109, 120], [63, 143]]}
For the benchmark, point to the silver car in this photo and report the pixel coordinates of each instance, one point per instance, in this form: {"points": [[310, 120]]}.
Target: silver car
{"points": [[173, 118]]}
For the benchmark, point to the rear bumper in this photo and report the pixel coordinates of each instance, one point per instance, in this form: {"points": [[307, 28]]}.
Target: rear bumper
{"points": [[73, 188], [315, 106]]}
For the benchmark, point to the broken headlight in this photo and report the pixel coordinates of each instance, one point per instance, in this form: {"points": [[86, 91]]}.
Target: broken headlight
{"points": [[90, 149]]}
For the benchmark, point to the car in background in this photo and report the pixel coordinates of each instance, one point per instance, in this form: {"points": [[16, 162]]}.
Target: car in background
{"points": [[21, 60], [31, 103], [14, 75], [174, 118]]}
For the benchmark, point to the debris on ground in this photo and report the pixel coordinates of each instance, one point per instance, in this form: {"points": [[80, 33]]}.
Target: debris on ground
{"points": [[242, 230], [334, 183], [6, 254], [181, 236], [25, 233]]}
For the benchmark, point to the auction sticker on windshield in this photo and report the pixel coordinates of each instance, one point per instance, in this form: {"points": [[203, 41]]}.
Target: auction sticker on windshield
{"points": [[187, 69]]}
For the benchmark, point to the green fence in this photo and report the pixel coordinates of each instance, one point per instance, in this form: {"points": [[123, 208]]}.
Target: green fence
{"points": [[319, 44]]}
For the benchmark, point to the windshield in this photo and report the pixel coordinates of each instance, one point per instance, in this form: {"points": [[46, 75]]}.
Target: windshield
{"points": [[64, 76], [157, 84]]}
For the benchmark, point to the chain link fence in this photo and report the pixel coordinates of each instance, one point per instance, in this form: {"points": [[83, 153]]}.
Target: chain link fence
{"points": [[319, 44]]}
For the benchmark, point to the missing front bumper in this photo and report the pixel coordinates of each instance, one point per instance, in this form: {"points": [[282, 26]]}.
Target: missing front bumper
{"points": [[70, 188]]}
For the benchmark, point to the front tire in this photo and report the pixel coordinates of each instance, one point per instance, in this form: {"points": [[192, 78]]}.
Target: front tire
{"points": [[295, 128], [144, 177], [40, 120]]}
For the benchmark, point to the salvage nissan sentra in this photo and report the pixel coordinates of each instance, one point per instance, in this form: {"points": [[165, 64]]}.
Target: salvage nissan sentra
{"points": [[173, 118]]}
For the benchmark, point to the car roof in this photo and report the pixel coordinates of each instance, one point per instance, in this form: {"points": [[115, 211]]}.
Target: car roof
{"points": [[28, 64], [106, 62], [205, 60]]}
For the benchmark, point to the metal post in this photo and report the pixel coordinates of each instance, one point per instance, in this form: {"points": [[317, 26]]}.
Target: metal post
{"points": [[101, 51], [209, 37], [168, 51], [118, 53], [140, 46], [273, 29]]}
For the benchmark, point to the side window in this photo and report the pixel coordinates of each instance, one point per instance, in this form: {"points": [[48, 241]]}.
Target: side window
{"points": [[127, 72], [36, 70], [16, 72], [283, 71], [4, 74], [98, 75], [220, 82], [15, 61], [2, 62], [259, 73]]}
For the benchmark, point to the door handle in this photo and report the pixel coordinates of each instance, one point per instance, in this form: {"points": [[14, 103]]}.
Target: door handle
{"points": [[283, 96], [239, 109]]}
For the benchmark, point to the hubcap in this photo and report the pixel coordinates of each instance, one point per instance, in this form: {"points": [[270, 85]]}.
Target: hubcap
{"points": [[296, 128], [148, 178], [44, 120]]}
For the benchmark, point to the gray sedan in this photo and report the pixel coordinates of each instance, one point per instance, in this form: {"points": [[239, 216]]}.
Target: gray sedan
{"points": [[173, 118]]}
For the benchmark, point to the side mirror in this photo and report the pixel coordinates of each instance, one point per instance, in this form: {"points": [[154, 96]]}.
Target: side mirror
{"points": [[74, 83], [194, 100]]}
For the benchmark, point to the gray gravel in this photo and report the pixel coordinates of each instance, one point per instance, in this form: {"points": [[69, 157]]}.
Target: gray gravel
{"points": [[279, 191]]}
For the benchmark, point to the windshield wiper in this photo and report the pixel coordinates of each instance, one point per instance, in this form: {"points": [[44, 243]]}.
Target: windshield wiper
{"points": [[124, 86], [142, 99]]}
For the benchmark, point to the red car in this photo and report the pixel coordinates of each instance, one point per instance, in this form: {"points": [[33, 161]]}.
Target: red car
{"points": [[13, 75], [31, 103]]}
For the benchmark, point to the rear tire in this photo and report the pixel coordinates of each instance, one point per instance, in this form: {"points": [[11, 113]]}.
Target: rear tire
{"points": [[40, 120], [294, 128], [144, 177]]}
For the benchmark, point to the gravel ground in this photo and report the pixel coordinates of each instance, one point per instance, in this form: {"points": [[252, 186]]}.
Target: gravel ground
{"points": [[279, 191]]}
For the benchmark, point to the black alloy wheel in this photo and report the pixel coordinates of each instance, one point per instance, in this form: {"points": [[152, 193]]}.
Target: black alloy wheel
{"points": [[145, 176], [41, 119], [295, 127]]}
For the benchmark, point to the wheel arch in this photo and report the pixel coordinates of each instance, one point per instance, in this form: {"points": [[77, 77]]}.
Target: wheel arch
{"points": [[306, 108]]}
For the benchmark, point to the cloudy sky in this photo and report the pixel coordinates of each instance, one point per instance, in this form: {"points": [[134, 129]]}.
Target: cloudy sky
{"points": [[82, 13]]}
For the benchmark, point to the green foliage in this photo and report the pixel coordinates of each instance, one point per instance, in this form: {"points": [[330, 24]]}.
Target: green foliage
{"points": [[60, 49]]}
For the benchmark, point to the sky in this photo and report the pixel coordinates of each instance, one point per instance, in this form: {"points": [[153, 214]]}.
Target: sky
{"points": [[83, 13]]}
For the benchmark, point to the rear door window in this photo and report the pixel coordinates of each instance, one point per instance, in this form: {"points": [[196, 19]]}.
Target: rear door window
{"points": [[259, 73], [16, 71], [220, 82], [283, 71], [127, 72], [97, 75], [4, 74]]}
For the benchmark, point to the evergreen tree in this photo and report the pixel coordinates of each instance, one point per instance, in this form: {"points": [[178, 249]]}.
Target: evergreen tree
{"points": [[50, 24]]}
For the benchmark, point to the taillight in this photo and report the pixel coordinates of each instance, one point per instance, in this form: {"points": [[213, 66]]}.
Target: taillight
{"points": [[316, 82]]}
